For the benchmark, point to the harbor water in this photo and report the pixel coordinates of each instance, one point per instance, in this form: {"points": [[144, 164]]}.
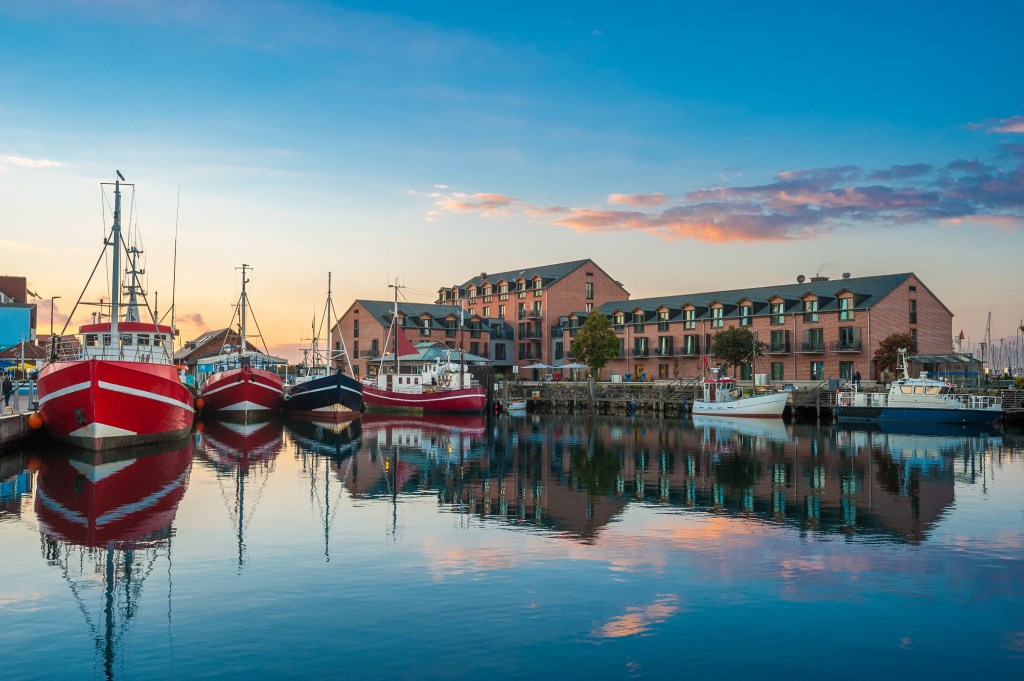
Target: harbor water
{"points": [[518, 547]]}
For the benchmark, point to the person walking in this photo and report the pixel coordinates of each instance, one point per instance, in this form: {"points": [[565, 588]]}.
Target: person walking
{"points": [[8, 388], [856, 379]]}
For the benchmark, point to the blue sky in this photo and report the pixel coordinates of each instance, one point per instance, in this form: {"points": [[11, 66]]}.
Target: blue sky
{"points": [[683, 146]]}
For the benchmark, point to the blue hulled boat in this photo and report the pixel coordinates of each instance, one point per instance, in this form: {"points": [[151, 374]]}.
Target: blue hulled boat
{"points": [[917, 400], [322, 391]]}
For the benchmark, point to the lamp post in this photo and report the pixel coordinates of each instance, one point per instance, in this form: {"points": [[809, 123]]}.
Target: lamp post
{"points": [[53, 344]]}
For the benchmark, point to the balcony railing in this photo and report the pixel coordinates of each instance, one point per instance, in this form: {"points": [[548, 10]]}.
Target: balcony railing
{"points": [[846, 346], [689, 352], [531, 314], [813, 347], [777, 349], [532, 334]]}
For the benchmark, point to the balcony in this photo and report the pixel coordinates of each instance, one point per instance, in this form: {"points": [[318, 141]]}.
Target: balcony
{"points": [[689, 352], [531, 314], [846, 346], [777, 349], [640, 352], [534, 334], [664, 352], [812, 347]]}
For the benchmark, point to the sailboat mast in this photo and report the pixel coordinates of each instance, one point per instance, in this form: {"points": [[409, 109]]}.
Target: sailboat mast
{"points": [[115, 282], [394, 324], [242, 309]]}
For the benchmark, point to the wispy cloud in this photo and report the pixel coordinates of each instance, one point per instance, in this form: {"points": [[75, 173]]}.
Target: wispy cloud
{"points": [[799, 204], [28, 163], [195, 319], [637, 199], [1009, 125]]}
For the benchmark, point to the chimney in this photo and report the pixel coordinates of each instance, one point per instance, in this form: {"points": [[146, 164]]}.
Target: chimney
{"points": [[846, 275]]}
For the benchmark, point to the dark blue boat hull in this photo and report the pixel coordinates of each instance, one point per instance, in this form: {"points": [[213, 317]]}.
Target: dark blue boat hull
{"points": [[976, 417], [328, 397]]}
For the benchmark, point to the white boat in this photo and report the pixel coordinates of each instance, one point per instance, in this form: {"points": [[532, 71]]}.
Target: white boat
{"points": [[722, 397], [917, 400], [515, 405]]}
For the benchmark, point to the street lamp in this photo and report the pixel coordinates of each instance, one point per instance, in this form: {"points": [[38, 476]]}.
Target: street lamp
{"points": [[53, 344]]}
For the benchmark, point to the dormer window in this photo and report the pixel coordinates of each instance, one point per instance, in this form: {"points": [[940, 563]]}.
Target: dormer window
{"points": [[716, 317], [690, 318], [811, 310], [746, 311], [845, 309], [778, 312]]}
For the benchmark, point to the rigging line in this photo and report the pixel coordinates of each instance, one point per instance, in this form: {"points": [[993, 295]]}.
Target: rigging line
{"points": [[258, 330], [88, 281], [224, 342]]}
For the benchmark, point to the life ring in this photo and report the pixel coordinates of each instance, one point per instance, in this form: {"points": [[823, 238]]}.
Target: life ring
{"points": [[444, 379]]}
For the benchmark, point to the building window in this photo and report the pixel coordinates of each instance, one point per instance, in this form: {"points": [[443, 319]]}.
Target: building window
{"points": [[558, 349], [779, 341], [638, 322], [745, 312], [817, 371], [662, 371], [522, 310], [810, 311], [537, 284], [814, 340], [355, 328], [499, 351], [778, 312], [487, 312], [716, 317], [590, 290], [620, 319], [913, 335], [355, 347], [849, 338], [590, 307], [689, 319], [778, 371], [502, 288], [374, 348], [845, 309], [663, 320], [691, 345], [474, 348], [665, 346], [913, 312], [846, 370], [640, 346], [501, 311]]}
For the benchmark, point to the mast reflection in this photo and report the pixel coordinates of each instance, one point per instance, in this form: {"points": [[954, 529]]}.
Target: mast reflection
{"points": [[106, 521]]}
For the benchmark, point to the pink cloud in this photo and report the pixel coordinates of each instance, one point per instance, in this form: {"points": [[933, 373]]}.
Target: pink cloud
{"points": [[488, 205], [638, 199], [1011, 125]]}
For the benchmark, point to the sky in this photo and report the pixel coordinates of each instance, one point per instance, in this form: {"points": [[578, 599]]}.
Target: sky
{"points": [[682, 146]]}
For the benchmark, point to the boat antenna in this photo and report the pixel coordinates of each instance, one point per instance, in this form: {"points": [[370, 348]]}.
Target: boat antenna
{"points": [[241, 311], [174, 268], [394, 321]]}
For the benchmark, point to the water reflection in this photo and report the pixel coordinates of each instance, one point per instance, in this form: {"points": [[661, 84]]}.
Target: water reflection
{"points": [[106, 521], [574, 477], [243, 456]]}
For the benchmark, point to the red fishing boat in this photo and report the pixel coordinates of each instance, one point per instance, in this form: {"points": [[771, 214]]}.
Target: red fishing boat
{"points": [[117, 386], [243, 384], [436, 379]]}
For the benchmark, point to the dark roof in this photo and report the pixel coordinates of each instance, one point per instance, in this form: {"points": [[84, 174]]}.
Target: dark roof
{"points": [[383, 309], [867, 292], [547, 273]]}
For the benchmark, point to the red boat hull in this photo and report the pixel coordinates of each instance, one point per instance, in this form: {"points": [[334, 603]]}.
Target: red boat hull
{"points": [[240, 393], [101, 404], [464, 400]]}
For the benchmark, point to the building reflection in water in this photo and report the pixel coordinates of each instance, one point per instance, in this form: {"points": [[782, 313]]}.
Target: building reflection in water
{"points": [[106, 521], [243, 456], [573, 477]]}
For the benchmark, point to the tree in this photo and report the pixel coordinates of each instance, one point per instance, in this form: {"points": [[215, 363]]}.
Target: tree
{"points": [[595, 344], [735, 346], [887, 356]]}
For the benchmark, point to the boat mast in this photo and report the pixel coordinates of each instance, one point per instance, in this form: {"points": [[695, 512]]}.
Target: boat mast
{"points": [[330, 327], [241, 311], [394, 323], [115, 282]]}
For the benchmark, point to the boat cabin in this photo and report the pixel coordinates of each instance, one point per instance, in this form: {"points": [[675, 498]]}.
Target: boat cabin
{"points": [[135, 342]]}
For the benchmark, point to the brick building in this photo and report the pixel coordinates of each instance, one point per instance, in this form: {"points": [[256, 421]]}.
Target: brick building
{"points": [[813, 330], [524, 307]]}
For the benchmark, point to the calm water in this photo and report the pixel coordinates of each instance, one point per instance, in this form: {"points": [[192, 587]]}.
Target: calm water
{"points": [[533, 547]]}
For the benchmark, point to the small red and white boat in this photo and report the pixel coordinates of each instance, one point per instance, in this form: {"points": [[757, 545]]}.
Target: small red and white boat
{"points": [[117, 386], [243, 384], [721, 397]]}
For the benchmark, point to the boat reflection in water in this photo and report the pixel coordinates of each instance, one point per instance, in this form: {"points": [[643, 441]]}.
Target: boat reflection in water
{"points": [[242, 455], [106, 521]]}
